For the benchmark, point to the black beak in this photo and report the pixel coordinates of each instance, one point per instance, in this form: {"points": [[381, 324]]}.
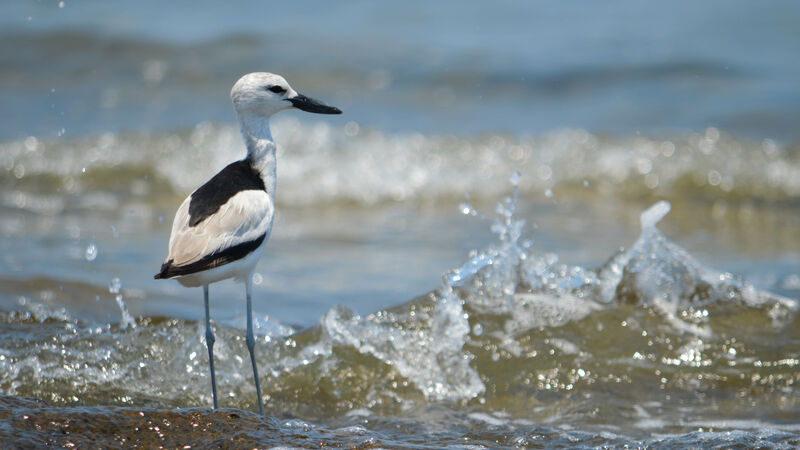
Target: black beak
{"points": [[313, 106]]}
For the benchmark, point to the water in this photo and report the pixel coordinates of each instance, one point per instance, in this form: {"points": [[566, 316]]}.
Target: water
{"points": [[529, 228]]}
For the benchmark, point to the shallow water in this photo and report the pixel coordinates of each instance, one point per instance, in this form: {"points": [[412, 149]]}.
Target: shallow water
{"points": [[514, 348], [544, 230]]}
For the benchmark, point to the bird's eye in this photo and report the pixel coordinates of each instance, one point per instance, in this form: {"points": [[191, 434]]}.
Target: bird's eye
{"points": [[276, 89]]}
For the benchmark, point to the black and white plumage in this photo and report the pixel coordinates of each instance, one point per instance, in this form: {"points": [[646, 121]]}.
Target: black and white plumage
{"points": [[223, 221], [220, 230]]}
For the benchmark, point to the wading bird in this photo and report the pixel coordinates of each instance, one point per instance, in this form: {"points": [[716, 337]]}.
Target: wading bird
{"points": [[220, 230]]}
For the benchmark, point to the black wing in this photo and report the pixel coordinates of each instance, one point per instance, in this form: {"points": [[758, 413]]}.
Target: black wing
{"points": [[236, 177]]}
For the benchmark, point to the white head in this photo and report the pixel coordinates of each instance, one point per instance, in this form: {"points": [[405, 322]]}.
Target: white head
{"points": [[262, 94]]}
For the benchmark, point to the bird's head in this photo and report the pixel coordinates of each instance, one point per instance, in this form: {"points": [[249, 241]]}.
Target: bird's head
{"points": [[263, 94]]}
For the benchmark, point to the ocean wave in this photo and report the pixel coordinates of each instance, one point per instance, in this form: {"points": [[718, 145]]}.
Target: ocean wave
{"points": [[509, 330], [323, 165]]}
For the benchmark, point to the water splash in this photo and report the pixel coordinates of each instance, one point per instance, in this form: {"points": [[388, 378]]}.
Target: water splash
{"points": [[426, 345], [652, 215], [508, 330], [535, 289], [91, 252], [657, 272], [115, 287], [499, 263]]}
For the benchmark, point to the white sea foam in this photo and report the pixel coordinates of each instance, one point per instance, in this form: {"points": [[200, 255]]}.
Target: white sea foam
{"points": [[320, 164]]}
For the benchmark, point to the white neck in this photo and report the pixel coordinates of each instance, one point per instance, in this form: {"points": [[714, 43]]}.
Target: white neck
{"points": [[260, 149]]}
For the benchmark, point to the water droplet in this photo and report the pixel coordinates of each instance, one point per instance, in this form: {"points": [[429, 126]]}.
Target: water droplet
{"points": [[714, 177], [351, 129], [257, 278], [154, 71], [91, 252], [31, 143], [466, 209], [548, 193], [651, 180], [644, 166], [114, 285], [61, 5], [545, 172], [515, 178]]}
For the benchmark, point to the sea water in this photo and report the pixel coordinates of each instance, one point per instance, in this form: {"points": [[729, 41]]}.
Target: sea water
{"points": [[543, 230]]}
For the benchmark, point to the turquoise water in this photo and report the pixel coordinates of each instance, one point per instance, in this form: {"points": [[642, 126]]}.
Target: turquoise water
{"points": [[414, 284]]}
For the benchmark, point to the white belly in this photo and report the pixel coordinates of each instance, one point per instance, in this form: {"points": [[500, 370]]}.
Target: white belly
{"points": [[240, 270]]}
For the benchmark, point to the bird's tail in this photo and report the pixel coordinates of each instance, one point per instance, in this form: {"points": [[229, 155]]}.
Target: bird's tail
{"points": [[165, 271]]}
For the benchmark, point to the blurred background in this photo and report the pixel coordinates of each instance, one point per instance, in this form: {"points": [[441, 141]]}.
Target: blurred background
{"points": [[113, 112], [93, 67]]}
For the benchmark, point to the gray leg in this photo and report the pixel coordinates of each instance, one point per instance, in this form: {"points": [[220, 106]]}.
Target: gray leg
{"points": [[251, 341], [210, 344]]}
